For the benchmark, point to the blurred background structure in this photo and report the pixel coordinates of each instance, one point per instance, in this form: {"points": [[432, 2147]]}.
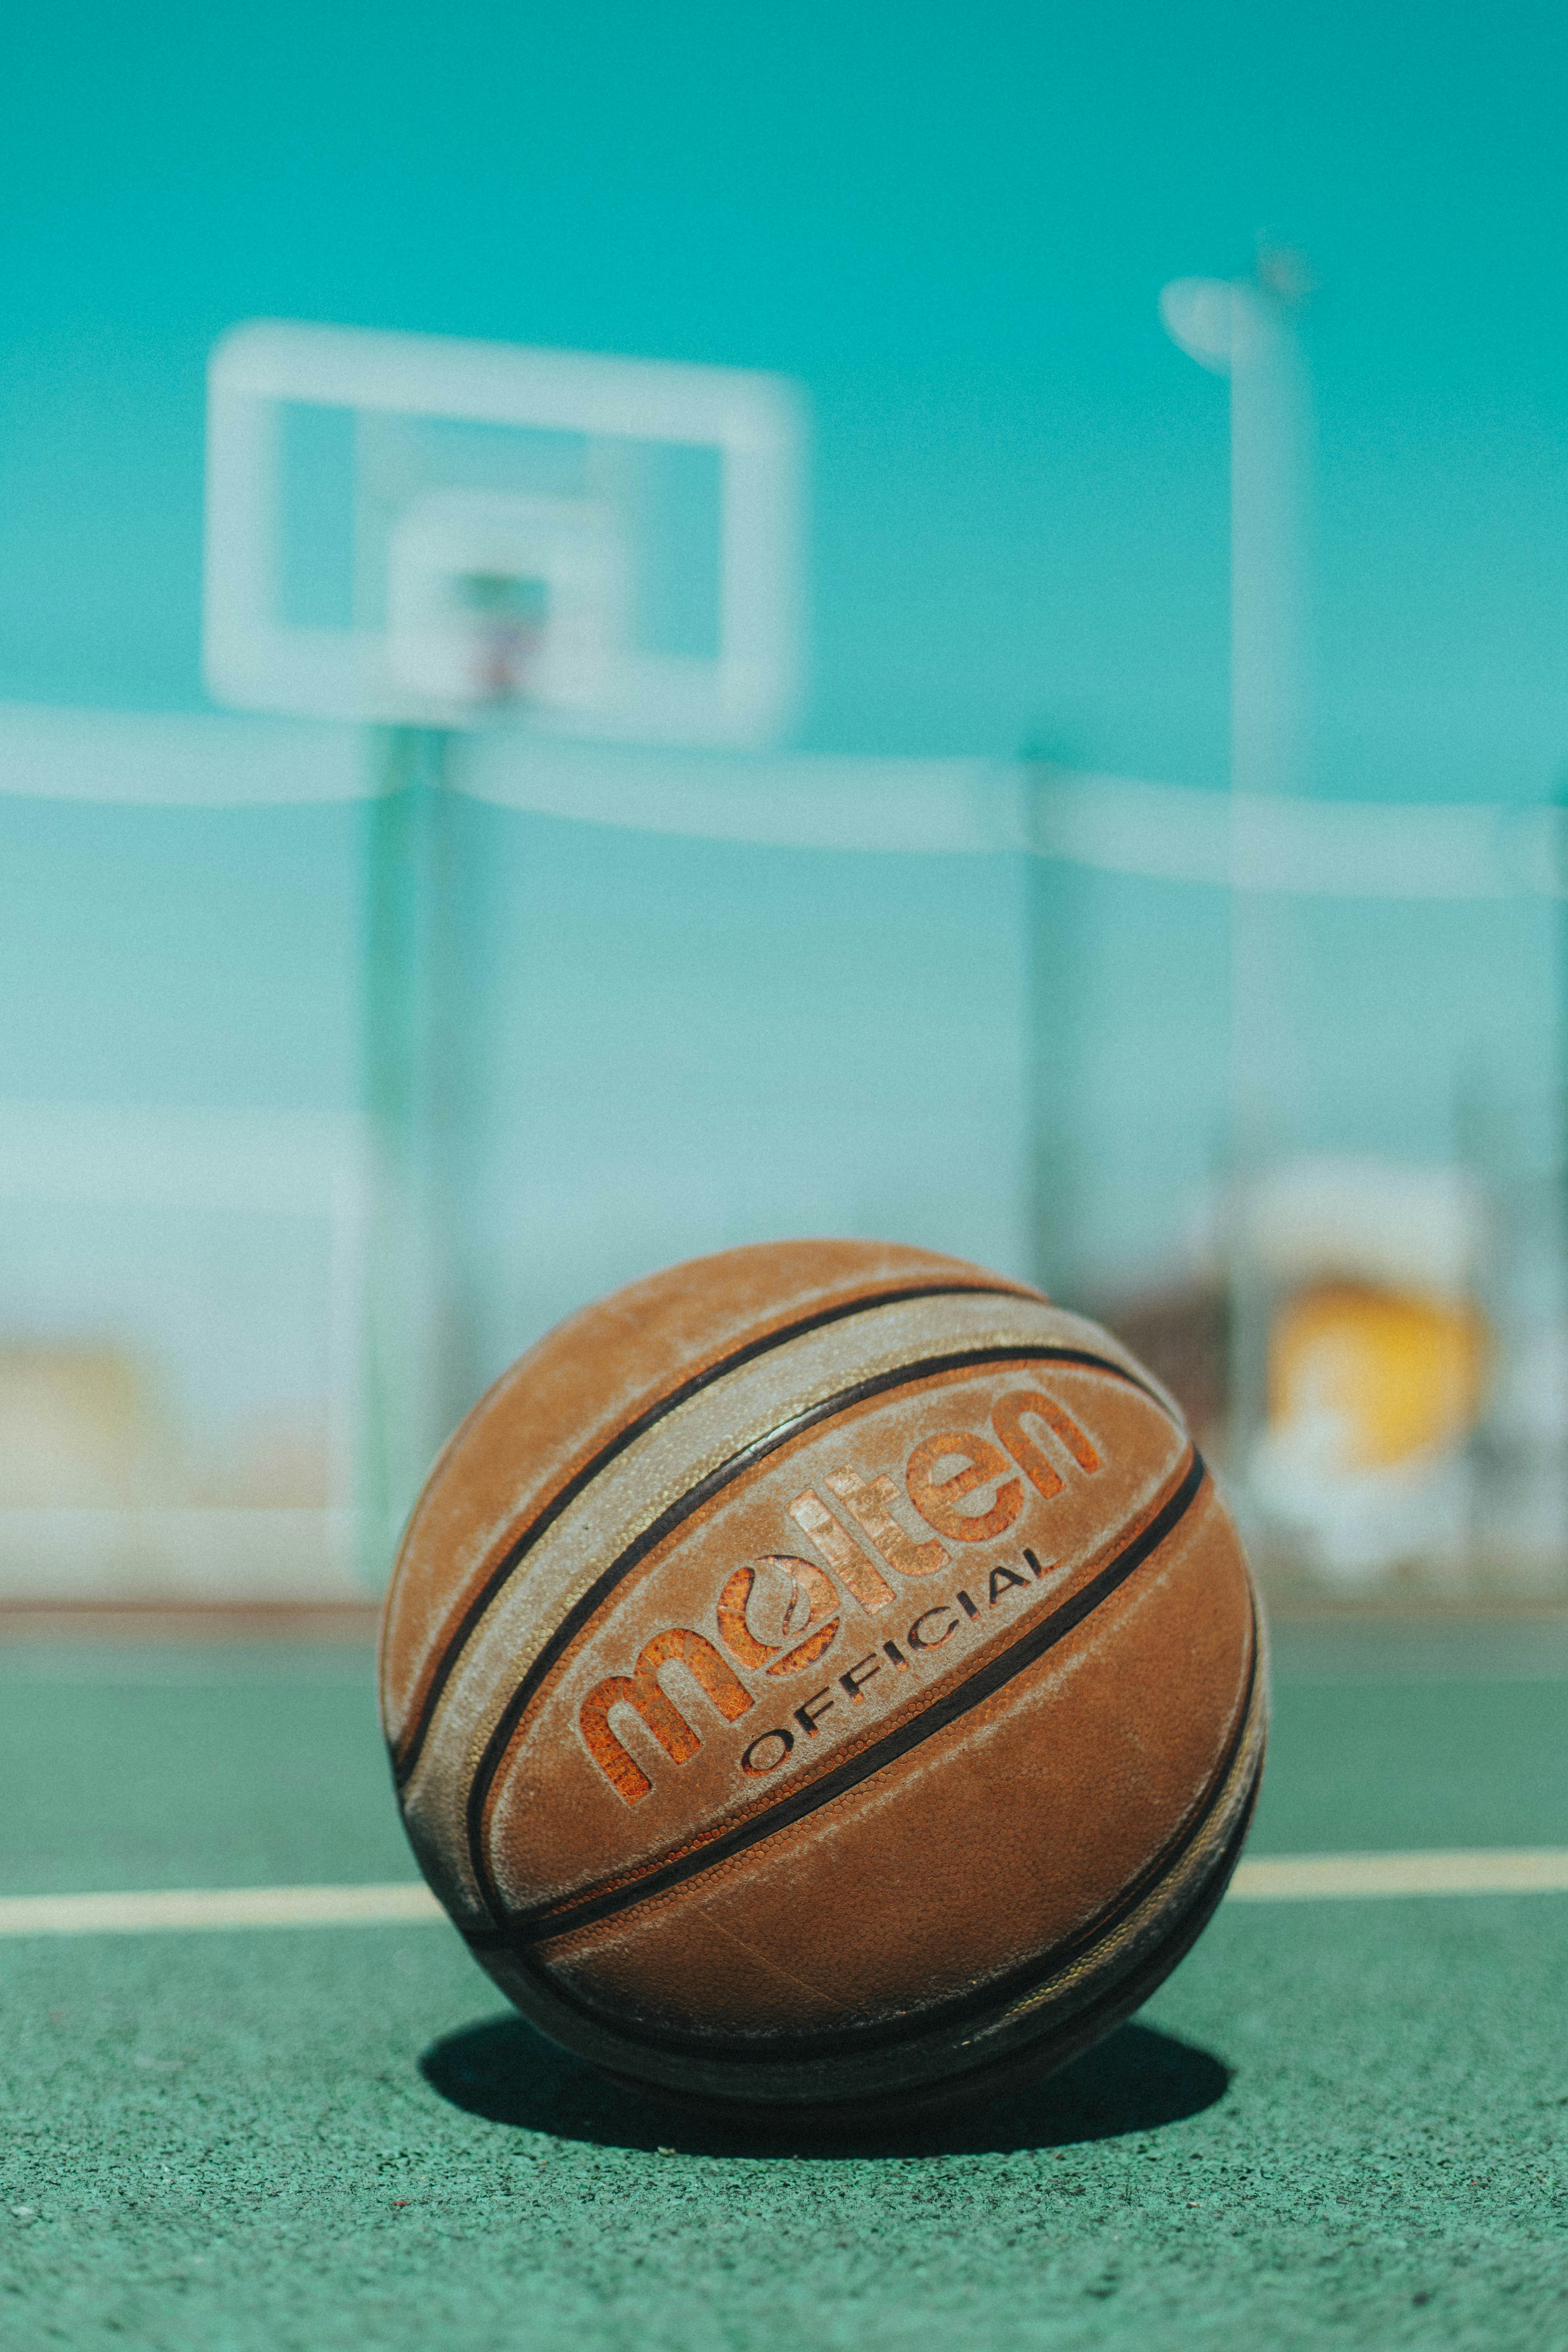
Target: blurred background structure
{"points": [[712, 669]]}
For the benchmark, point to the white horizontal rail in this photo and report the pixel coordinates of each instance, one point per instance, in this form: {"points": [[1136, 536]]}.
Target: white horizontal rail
{"points": [[123, 1155], [178, 759], [1282, 1878], [1472, 850]]}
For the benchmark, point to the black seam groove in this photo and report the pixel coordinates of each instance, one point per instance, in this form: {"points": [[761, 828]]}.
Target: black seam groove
{"points": [[409, 1747], [981, 1685], [996, 1995], [1175, 1849], [578, 1616]]}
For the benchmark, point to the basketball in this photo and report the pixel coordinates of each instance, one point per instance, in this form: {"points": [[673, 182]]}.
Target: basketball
{"points": [[822, 1684]]}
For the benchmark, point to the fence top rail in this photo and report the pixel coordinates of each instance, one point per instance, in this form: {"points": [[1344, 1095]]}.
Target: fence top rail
{"points": [[1179, 834]]}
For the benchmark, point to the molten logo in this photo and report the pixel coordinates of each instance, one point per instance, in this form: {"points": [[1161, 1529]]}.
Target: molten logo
{"points": [[798, 1602], [640, 1689]]}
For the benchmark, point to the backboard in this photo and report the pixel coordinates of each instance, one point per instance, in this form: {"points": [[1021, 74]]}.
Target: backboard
{"points": [[416, 529]]}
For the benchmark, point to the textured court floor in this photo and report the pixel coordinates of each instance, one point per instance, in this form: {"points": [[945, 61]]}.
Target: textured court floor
{"points": [[1340, 2124]]}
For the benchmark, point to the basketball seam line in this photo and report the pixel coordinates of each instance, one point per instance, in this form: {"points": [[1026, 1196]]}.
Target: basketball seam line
{"points": [[407, 1752], [769, 1442], [1001, 1992], [983, 1683], [1176, 1847], [1125, 1991]]}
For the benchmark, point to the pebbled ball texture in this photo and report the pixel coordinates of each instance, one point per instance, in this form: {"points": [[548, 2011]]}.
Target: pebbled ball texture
{"points": [[822, 1684]]}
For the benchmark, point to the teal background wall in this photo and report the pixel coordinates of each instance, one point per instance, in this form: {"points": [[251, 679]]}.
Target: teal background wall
{"points": [[951, 224]]}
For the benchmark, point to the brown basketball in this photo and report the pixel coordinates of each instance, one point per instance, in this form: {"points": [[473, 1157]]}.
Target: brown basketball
{"points": [[822, 1680]]}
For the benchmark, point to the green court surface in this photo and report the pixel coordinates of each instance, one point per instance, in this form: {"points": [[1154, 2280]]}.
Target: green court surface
{"points": [[1341, 2123]]}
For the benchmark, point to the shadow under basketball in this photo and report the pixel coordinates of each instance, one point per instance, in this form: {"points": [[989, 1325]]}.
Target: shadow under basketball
{"points": [[1136, 2080]]}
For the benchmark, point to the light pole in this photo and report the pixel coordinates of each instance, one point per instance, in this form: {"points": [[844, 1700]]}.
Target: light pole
{"points": [[1248, 329]]}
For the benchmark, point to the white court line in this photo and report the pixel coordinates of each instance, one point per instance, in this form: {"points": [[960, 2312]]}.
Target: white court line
{"points": [[1475, 1870], [221, 1906], [1284, 1879]]}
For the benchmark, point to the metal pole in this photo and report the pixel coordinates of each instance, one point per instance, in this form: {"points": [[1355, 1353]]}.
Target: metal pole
{"points": [[413, 1062]]}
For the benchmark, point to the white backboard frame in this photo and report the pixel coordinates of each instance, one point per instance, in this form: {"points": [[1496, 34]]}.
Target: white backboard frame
{"points": [[255, 659]]}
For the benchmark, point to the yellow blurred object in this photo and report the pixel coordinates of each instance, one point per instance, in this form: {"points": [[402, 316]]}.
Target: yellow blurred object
{"points": [[1395, 1374], [76, 1428]]}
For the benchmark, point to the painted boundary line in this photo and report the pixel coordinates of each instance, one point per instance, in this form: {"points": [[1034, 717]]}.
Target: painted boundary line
{"points": [[177, 1909], [1334, 1877], [1284, 1879]]}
